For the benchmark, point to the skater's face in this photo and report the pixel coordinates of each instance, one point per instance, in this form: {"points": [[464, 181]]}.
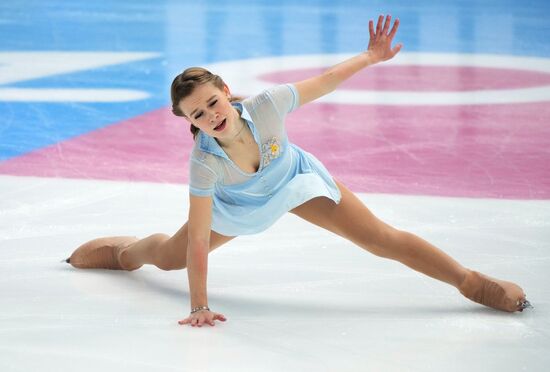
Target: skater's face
{"points": [[209, 109]]}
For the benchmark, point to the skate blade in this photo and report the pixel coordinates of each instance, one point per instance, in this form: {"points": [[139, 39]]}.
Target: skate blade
{"points": [[524, 304]]}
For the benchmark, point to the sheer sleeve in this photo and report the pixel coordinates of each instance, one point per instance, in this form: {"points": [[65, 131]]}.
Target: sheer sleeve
{"points": [[202, 178], [284, 97]]}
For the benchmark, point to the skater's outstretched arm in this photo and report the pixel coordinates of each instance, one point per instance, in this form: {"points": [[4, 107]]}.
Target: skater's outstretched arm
{"points": [[379, 50]]}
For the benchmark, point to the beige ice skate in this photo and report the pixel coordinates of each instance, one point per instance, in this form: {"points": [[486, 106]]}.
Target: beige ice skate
{"points": [[498, 294], [102, 253]]}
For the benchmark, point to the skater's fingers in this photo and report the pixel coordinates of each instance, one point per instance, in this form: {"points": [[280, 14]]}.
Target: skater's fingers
{"points": [[379, 24], [371, 29], [210, 318], [185, 321], [202, 319], [220, 317]]}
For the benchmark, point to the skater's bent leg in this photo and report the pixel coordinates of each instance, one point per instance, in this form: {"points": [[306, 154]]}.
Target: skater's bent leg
{"points": [[163, 251]]}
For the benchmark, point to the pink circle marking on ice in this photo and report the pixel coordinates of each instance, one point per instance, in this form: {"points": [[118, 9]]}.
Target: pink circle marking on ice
{"points": [[425, 78], [495, 151]]}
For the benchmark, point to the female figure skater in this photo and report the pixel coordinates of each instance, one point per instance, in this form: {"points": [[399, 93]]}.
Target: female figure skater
{"points": [[245, 174]]}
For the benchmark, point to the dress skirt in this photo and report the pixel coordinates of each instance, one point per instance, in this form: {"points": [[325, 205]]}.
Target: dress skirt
{"points": [[280, 185]]}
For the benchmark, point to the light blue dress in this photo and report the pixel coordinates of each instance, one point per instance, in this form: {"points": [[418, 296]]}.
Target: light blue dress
{"points": [[248, 203]]}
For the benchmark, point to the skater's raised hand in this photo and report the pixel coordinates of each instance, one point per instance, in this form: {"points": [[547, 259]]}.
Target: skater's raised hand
{"points": [[381, 39]]}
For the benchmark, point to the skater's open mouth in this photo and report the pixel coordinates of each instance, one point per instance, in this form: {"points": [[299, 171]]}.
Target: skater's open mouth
{"points": [[220, 126]]}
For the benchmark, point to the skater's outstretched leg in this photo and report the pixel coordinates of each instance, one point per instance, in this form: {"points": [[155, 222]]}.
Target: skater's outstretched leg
{"points": [[352, 220]]}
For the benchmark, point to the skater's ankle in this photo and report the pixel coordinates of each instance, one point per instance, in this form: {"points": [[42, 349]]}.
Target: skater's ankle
{"points": [[125, 260], [462, 278]]}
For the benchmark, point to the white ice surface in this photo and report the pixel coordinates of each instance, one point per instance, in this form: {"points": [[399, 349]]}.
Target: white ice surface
{"points": [[297, 298]]}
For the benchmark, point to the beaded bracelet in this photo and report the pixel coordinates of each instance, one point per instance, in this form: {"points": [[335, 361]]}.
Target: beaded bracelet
{"points": [[199, 308]]}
